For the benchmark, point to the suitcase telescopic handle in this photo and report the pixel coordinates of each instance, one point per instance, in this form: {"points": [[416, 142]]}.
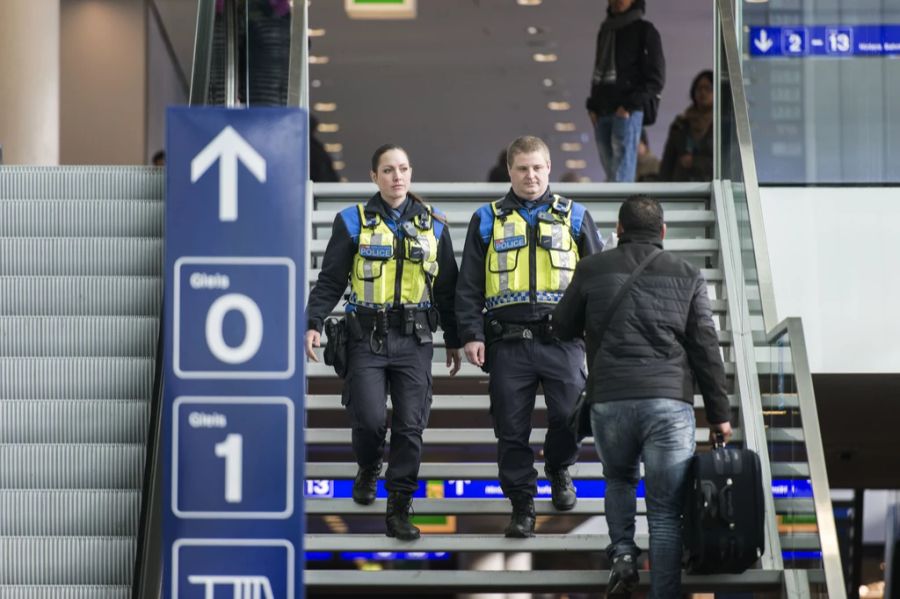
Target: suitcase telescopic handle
{"points": [[720, 441]]}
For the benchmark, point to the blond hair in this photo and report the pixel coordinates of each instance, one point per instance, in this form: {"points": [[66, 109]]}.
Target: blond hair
{"points": [[526, 145]]}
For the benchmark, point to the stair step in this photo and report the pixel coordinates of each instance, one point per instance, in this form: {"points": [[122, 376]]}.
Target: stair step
{"points": [[84, 591], [81, 256], [439, 370], [80, 296], [712, 275], [81, 182], [71, 466], [673, 195], [528, 581], [82, 512], [467, 507], [467, 436], [76, 378], [604, 218], [67, 560], [703, 246], [499, 506], [568, 543], [81, 218], [451, 403], [73, 421], [488, 471], [83, 336]]}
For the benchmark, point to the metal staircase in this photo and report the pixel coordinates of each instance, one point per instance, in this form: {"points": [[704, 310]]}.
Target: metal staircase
{"points": [[80, 259], [460, 443]]}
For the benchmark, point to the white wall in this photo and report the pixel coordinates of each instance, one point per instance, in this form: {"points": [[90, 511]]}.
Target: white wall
{"points": [[102, 84], [29, 82], [835, 255]]}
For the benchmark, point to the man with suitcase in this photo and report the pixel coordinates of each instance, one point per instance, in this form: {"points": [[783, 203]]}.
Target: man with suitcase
{"points": [[646, 318]]}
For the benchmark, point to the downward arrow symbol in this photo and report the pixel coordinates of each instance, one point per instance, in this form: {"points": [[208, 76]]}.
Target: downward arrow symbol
{"points": [[763, 42], [227, 148]]}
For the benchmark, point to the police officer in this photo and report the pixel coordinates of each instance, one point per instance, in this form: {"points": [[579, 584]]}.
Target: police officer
{"points": [[519, 257], [396, 252]]}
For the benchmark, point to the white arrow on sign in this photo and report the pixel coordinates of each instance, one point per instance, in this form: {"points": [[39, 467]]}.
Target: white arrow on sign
{"points": [[763, 42], [228, 147]]}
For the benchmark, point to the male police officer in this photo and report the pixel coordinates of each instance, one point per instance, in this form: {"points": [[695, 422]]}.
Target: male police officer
{"points": [[519, 257]]}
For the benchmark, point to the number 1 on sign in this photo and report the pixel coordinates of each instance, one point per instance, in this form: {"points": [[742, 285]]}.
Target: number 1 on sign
{"points": [[232, 449]]}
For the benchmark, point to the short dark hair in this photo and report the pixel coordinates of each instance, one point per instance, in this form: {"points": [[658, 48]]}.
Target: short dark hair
{"points": [[641, 213]]}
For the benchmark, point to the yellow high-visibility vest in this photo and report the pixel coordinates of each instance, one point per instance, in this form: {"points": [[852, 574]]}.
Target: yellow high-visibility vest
{"points": [[508, 262], [373, 278]]}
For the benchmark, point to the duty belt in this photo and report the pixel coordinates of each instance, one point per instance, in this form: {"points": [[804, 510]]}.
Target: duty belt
{"points": [[505, 331], [409, 320]]}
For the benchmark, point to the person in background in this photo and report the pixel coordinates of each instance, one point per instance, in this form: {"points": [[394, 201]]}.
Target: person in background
{"points": [[499, 172], [688, 155], [159, 159], [520, 253], [659, 339], [321, 168], [648, 163], [395, 251], [629, 74]]}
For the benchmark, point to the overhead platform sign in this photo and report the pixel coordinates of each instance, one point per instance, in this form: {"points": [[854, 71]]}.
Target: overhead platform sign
{"points": [[232, 414], [834, 41]]}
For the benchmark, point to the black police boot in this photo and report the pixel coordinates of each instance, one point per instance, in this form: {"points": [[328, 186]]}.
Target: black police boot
{"points": [[521, 524], [562, 490], [397, 518], [365, 483], [623, 576]]}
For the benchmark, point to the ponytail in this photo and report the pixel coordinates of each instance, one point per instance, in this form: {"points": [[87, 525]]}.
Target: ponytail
{"points": [[438, 217]]}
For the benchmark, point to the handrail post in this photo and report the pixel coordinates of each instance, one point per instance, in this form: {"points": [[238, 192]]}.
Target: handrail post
{"points": [[809, 416]]}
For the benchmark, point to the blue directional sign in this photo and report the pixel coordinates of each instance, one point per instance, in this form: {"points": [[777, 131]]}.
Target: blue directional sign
{"points": [[245, 568], [825, 40], [232, 412], [224, 452]]}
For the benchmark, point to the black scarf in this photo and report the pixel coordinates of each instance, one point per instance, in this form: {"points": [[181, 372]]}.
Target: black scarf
{"points": [[605, 62]]}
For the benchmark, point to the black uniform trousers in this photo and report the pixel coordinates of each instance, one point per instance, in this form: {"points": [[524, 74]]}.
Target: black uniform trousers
{"points": [[402, 366], [516, 369]]}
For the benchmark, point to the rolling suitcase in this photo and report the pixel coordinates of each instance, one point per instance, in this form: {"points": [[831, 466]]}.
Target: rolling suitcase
{"points": [[724, 512]]}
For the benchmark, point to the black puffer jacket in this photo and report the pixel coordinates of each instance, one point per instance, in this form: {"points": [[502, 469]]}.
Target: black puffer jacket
{"points": [[662, 333]]}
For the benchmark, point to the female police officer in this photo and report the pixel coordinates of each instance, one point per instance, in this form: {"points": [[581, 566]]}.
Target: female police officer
{"points": [[396, 252]]}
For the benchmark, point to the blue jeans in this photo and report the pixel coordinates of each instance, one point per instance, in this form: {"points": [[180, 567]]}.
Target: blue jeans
{"points": [[661, 432], [617, 142]]}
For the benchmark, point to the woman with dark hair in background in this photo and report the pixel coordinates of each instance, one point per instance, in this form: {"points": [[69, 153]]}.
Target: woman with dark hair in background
{"points": [[689, 149], [395, 252]]}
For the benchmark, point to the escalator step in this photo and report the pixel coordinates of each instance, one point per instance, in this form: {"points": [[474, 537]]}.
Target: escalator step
{"points": [[73, 421], [76, 378], [75, 512], [80, 296], [71, 466], [81, 218], [67, 256], [81, 182], [82, 336]]}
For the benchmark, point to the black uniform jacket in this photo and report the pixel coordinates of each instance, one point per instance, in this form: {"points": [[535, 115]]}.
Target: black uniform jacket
{"points": [[661, 334], [470, 291], [343, 246]]}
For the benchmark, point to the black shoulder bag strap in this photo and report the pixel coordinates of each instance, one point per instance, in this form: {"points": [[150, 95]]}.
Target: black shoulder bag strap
{"points": [[579, 423]]}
